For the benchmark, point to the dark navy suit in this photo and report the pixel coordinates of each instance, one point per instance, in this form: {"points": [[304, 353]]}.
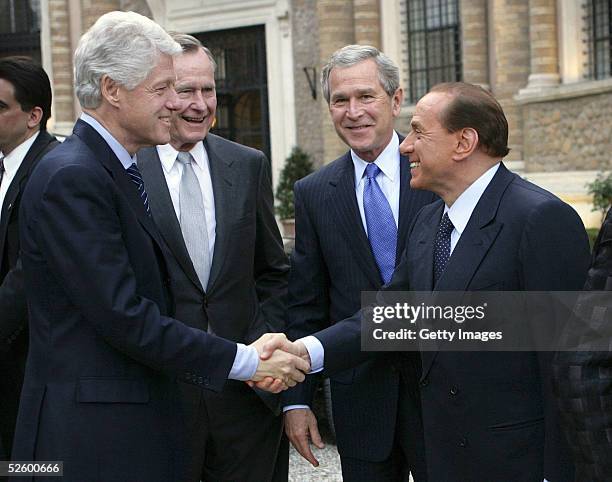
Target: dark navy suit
{"points": [[100, 386], [331, 265], [488, 416]]}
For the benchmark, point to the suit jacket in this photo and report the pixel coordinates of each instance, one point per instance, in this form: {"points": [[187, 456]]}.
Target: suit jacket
{"points": [[100, 387], [583, 378], [13, 307], [245, 296], [331, 265], [488, 416]]}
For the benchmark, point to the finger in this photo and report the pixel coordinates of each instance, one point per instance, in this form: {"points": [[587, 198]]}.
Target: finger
{"points": [[315, 436], [300, 442], [302, 365]]}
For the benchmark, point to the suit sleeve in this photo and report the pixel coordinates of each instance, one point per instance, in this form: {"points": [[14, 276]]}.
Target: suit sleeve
{"points": [[79, 233], [271, 267], [13, 306], [555, 257]]}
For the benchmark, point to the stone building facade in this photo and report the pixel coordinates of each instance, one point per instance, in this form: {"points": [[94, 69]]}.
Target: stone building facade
{"points": [[538, 57]]}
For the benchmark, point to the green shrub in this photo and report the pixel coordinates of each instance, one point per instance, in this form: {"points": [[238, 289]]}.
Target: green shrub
{"points": [[601, 190], [297, 166]]}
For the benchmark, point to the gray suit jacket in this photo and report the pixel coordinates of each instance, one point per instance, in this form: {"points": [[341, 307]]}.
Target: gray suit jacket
{"points": [[245, 296]]}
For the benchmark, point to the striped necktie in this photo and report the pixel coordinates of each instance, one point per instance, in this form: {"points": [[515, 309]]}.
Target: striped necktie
{"points": [[136, 178]]}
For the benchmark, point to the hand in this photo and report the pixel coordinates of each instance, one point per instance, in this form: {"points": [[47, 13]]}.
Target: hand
{"points": [[281, 364], [279, 343], [300, 426]]}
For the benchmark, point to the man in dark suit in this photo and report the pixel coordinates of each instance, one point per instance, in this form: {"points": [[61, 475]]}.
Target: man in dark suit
{"points": [[25, 106], [582, 376], [101, 386], [238, 290], [338, 255], [486, 416]]}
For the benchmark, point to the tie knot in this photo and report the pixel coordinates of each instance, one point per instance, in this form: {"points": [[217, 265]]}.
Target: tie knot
{"points": [[184, 157], [372, 170], [446, 226]]}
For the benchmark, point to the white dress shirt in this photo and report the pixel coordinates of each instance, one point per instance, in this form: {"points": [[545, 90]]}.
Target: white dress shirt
{"points": [[247, 359], [12, 163], [173, 171]]}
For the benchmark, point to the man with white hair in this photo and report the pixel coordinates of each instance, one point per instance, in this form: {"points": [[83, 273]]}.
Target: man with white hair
{"points": [[101, 383]]}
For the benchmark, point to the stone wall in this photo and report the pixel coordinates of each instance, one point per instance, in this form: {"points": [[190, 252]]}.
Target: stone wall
{"points": [[569, 134], [305, 35]]}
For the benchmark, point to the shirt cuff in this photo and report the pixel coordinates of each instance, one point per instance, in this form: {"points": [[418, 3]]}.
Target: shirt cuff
{"points": [[294, 407], [316, 352], [245, 364]]}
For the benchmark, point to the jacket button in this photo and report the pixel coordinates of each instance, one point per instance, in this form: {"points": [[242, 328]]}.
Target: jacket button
{"points": [[463, 442], [454, 391]]}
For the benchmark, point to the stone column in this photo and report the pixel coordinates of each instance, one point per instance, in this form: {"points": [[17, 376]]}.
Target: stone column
{"points": [[543, 44], [367, 22], [335, 31], [509, 51], [475, 52]]}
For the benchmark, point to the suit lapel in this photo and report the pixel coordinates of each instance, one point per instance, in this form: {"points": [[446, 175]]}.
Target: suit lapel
{"points": [[112, 164], [476, 240], [343, 205], [223, 184], [406, 206], [19, 181], [163, 211]]}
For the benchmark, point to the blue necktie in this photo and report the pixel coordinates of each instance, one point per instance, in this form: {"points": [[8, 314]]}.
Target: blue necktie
{"points": [[136, 178], [442, 246], [382, 231]]}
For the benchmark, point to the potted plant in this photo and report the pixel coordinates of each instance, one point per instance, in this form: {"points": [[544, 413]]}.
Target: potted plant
{"points": [[297, 166]]}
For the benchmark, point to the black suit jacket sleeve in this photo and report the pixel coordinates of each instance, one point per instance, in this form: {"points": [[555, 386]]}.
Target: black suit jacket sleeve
{"points": [[79, 232], [13, 305], [271, 266], [308, 305]]}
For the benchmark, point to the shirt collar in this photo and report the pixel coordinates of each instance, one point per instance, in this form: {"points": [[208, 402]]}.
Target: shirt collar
{"points": [[387, 161], [167, 155], [462, 209], [122, 154], [13, 159]]}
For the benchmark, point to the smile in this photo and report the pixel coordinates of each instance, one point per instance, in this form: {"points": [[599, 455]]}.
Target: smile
{"points": [[414, 164], [195, 120]]}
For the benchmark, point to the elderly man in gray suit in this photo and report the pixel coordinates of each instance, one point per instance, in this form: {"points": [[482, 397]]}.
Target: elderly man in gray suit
{"points": [[212, 201]]}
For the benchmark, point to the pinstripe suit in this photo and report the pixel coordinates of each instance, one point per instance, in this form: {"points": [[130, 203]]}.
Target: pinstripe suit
{"points": [[331, 265]]}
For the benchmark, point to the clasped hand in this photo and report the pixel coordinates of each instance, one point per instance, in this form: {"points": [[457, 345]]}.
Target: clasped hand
{"points": [[282, 363]]}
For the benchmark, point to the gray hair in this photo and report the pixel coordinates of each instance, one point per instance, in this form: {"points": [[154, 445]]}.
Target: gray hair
{"points": [[190, 44], [123, 45], [388, 72]]}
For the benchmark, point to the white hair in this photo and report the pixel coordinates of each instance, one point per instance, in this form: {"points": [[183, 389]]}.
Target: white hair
{"points": [[123, 45]]}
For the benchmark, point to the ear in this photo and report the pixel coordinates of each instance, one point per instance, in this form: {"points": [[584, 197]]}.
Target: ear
{"points": [[35, 116], [109, 90], [467, 142], [396, 101]]}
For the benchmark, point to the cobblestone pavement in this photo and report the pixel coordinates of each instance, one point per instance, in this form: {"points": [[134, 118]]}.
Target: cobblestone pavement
{"points": [[328, 470]]}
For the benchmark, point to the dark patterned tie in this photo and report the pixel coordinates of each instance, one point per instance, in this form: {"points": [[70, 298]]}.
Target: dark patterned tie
{"points": [[442, 247], [382, 231], [136, 178], [1, 169]]}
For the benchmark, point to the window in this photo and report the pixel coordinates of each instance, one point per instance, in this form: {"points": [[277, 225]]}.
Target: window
{"points": [[598, 17], [434, 48], [20, 28]]}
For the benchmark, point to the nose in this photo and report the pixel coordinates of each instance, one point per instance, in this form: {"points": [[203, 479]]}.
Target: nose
{"points": [[172, 101], [353, 109], [198, 102], [407, 145]]}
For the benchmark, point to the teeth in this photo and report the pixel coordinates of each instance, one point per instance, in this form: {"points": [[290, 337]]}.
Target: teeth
{"points": [[414, 164], [193, 119]]}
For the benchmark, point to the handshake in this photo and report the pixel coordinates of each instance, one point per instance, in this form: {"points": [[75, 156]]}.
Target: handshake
{"points": [[282, 363]]}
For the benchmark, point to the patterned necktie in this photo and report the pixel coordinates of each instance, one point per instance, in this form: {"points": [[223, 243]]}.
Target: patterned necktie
{"points": [[442, 246], [136, 178], [1, 169], [193, 219], [382, 231]]}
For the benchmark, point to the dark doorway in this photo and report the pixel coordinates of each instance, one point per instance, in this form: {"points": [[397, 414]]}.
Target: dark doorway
{"points": [[242, 85]]}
